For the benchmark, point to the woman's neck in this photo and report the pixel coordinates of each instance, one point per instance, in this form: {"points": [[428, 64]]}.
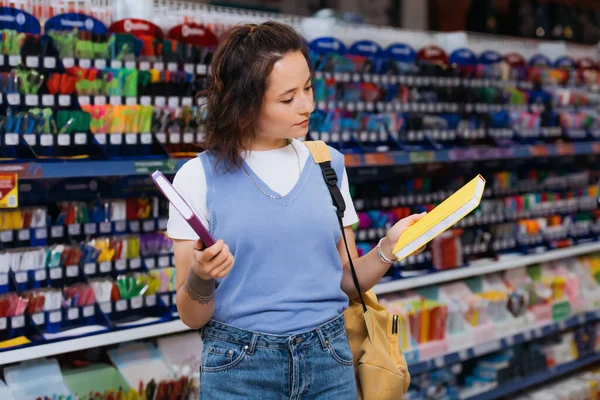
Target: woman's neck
{"points": [[265, 144]]}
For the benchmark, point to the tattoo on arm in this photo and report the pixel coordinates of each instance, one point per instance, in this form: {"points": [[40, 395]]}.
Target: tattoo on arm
{"points": [[200, 290]]}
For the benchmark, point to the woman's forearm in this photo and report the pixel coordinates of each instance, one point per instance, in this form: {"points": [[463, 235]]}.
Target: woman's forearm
{"points": [[369, 271], [196, 300]]}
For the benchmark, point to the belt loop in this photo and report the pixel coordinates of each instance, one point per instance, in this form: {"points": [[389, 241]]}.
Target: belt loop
{"points": [[252, 345], [324, 342]]}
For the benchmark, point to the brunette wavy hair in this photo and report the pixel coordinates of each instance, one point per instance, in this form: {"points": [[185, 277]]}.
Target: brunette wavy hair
{"points": [[237, 82]]}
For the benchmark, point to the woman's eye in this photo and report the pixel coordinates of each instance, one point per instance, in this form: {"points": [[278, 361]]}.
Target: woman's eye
{"points": [[308, 88], [287, 101]]}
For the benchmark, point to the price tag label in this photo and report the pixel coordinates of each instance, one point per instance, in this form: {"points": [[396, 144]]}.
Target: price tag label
{"points": [[162, 223], [64, 100], [121, 305], [90, 228], [137, 302], [115, 100], [163, 261], [3, 324], [121, 265], [160, 101], [47, 140], [105, 267], [201, 137], [14, 60], [14, 99], [146, 100], [117, 64], [146, 138], [41, 233], [72, 271], [172, 66], [175, 138], [186, 101], [150, 262], [32, 100], [56, 273], [88, 311], [89, 269], [188, 68], [48, 100], [149, 226], [73, 313], [120, 226], [50, 62], [131, 101], [488, 347], [131, 138], [105, 227], [144, 66], [41, 275], [38, 318], [201, 69], [30, 139], [188, 138], [21, 277], [150, 300], [173, 102], [130, 64], [11, 139], [134, 226], [159, 66], [64, 139], [18, 321], [6, 236], [166, 299], [85, 63], [106, 308], [116, 139], [161, 137], [100, 63], [84, 100], [135, 263], [68, 62]]}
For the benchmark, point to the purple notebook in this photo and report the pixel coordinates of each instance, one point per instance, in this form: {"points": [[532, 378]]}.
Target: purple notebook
{"points": [[182, 207]]}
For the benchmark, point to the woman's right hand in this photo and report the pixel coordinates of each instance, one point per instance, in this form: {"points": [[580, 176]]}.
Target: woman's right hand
{"points": [[213, 262]]}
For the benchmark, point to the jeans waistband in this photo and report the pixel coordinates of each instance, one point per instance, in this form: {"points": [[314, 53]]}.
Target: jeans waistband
{"points": [[219, 331]]}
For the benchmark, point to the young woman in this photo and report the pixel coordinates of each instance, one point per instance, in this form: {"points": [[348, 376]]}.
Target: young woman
{"points": [[270, 294]]}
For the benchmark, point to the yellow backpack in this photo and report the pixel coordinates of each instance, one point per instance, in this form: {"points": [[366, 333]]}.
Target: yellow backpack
{"points": [[379, 365]]}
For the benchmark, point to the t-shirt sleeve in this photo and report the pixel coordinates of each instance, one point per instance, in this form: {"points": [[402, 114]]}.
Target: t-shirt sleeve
{"points": [[350, 216], [190, 182]]}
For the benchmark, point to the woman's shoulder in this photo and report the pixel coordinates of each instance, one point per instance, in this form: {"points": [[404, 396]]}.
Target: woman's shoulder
{"points": [[191, 170]]}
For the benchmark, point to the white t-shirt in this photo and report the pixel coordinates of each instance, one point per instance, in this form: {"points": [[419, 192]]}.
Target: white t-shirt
{"points": [[277, 168]]}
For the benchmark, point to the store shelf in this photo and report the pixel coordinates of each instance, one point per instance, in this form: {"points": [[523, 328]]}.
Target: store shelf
{"points": [[500, 343], [88, 342], [547, 375], [485, 267]]}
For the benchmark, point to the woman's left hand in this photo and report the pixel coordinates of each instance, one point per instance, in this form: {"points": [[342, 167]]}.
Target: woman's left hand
{"points": [[389, 241]]}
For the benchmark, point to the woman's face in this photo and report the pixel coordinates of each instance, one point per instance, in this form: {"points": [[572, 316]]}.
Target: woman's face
{"points": [[288, 103]]}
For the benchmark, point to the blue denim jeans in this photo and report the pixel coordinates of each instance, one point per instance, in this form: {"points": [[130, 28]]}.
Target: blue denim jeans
{"points": [[240, 364]]}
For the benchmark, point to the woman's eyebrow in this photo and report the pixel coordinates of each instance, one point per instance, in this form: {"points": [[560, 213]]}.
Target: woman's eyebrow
{"points": [[294, 89]]}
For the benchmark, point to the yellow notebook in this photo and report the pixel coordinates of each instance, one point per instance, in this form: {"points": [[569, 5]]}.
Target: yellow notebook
{"points": [[449, 212]]}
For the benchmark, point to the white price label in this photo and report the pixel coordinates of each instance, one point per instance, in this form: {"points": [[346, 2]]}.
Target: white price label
{"points": [[116, 139], [14, 99], [160, 101], [57, 231], [134, 226], [14, 60], [186, 101], [68, 62], [175, 138], [487, 347], [73, 313], [137, 302], [131, 138], [135, 263], [72, 271], [162, 223], [56, 273], [106, 308], [189, 68], [174, 299], [115, 100], [84, 100], [3, 324], [24, 235], [166, 299], [121, 265], [201, 137], [50, 62], [120, 226], [32, 100], [85, 63], [105, 267], [64, 100], [38, 318], [48, 100], [150, 300], [41, 233], [131, 101], [89, 269], [47, 140], [144, 66], [17, 322], [105, 227], [100, 63], [11, 139], [149, 225], [130, 64], [150, 262], [188, 138], [116, 64], [163, 261], [172, 66], [159, 66], [88, 311], [64, 139], [21, 277], [6, 236], [90, 228], [41, 275], [201, 69], [145, 100], [439, 362], [161, 137], [146, 138], [121, 305], [54, 317], [173, 102]]}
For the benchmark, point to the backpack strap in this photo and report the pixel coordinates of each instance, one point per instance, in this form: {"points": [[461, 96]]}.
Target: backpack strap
{"points": [[322, 156]]}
